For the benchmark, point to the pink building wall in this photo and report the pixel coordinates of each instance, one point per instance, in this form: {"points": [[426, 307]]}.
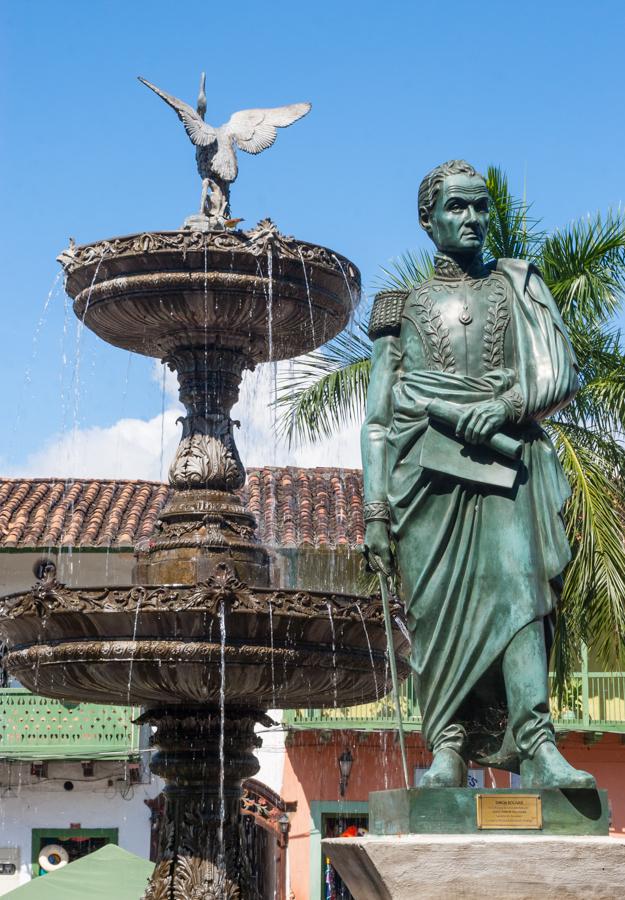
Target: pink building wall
{"points": [[311, 774]]}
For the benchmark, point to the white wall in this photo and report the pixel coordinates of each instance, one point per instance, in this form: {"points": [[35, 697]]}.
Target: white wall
{"points": [[92, 803], [271, 755], [77, 568]]}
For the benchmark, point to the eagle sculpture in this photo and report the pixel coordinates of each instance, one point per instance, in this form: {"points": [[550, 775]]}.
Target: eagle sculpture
{"points": [[252, 130]]}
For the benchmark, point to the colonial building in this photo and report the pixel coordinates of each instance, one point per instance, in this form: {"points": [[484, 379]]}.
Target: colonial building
{"points": [[75, 776]]}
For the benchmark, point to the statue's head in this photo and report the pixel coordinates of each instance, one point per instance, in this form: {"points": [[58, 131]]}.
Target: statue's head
{"points": [[453, 207]]}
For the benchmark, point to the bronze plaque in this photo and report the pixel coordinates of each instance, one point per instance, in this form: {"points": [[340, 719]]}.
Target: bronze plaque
{"points": [[509, 811]]}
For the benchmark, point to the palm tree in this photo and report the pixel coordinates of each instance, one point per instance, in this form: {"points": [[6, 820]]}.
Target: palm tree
{"points": [[584, 266]]}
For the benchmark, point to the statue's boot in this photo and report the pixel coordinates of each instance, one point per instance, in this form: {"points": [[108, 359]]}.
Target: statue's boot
{"points": [[448, 769], [527, 691], [547, 768]]}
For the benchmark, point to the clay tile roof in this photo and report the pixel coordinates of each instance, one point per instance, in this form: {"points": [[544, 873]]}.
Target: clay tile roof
{"points": [[293, 507]]}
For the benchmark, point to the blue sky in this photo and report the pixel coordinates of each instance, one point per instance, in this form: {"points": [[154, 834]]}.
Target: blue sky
{"points": [[396, 88]]}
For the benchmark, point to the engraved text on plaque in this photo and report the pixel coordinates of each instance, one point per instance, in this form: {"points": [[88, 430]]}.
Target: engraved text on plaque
{"points": [[509, 811]]}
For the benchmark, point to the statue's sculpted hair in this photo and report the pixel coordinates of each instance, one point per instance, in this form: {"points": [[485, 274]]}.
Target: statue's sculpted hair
{"points": [[431, 184]]}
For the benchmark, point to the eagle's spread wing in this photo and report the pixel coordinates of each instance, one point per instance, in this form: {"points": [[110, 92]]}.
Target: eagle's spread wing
{"points": [[254, 130], [201, 134]]}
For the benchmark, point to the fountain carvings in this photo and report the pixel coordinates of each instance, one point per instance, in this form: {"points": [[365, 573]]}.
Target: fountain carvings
{"points": [[205, 639]]}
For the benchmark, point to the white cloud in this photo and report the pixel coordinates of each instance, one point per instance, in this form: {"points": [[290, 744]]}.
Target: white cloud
{"points": [[144, 448], [130, 448], [257, 440]]}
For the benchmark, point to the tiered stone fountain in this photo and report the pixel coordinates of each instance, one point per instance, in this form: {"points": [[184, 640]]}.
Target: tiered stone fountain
{"points": [[204, 639]]}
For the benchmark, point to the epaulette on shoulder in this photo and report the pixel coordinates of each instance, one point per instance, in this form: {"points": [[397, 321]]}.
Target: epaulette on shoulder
{"points": [[385, 320]]}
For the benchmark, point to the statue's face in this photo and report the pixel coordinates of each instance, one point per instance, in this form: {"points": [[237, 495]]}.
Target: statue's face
{"points": [[459, 221]]}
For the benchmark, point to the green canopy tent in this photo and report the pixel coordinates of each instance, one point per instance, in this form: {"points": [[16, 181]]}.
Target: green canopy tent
{"points": [[109, 873]]}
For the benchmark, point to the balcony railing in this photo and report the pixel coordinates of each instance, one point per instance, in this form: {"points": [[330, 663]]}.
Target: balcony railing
{"points": [[592, 701], [33, 728]]}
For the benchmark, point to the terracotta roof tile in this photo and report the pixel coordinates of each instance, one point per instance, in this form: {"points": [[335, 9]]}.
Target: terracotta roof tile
{"points": [[293, 507]]}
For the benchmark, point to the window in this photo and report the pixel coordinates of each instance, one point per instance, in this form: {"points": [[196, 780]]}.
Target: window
{"points": [[76, 842]]}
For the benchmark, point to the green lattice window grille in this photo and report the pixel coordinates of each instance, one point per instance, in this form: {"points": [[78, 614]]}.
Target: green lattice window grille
{"points": [[33, 727], [592, 701]]}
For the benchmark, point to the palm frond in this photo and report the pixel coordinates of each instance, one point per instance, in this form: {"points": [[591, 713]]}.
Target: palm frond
{"points": [[584, 267], [406, 272], [512, 231], [598, 347], [600, 402], [593, 599], [325, 390]]}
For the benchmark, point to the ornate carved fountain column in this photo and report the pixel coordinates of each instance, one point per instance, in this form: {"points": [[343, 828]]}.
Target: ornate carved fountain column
{"points": [[204, 524], [204, 759], [209, 379]]}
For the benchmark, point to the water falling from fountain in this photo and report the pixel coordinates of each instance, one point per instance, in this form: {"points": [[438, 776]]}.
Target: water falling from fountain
{"points": [[370, 649], [133, 649], [163, 392], [41, 322], [80, 327], [308, 297], [273, 664], [334, 681], [52, 293], [62, 373], [270, 301], [272, 361], [222, 730], [353, 303]]}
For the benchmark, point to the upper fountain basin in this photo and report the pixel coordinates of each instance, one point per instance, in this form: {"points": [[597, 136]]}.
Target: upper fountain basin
{"points": [[260, 292]]}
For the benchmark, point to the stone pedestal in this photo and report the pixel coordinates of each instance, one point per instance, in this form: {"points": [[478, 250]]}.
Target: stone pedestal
{"points": [[480, 866]]}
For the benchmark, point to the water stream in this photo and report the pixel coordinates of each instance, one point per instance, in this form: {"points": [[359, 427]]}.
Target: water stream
{"points": [[222, 726], [52, 293], [133, 646], [375, 675], [273, 664], [353, 303], [334, 681], [16, 426], [270, 301], [308, 297], [163, 394], [80, 327]]}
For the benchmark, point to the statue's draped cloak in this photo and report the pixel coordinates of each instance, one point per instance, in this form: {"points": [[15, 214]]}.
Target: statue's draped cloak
{"points": [[478, 563]]}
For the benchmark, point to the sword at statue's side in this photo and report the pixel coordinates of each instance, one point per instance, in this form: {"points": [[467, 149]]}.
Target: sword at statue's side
{"points": [[386, 605]]}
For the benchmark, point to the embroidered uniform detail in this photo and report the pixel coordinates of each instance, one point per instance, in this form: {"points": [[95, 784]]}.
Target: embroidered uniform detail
{"points": [[386, 314], [447, 269], [433, 333], [497, 321]]}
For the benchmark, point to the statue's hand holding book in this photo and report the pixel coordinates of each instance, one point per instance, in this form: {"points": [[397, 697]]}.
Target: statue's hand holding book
{"points": [[447, 448], [478, 422]]}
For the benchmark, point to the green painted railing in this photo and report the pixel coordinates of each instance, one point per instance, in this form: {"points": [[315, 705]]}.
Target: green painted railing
{"points": [[33, 727], [592, 701]]}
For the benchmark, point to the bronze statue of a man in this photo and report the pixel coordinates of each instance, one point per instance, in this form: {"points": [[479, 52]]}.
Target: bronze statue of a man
{"points": [[479, 540]]}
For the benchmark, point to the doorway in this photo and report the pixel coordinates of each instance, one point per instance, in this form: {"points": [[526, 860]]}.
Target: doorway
{"points": [[339, 825]]}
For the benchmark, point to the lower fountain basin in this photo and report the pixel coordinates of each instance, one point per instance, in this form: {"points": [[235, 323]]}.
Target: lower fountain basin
{"points": [[141, 645]]}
